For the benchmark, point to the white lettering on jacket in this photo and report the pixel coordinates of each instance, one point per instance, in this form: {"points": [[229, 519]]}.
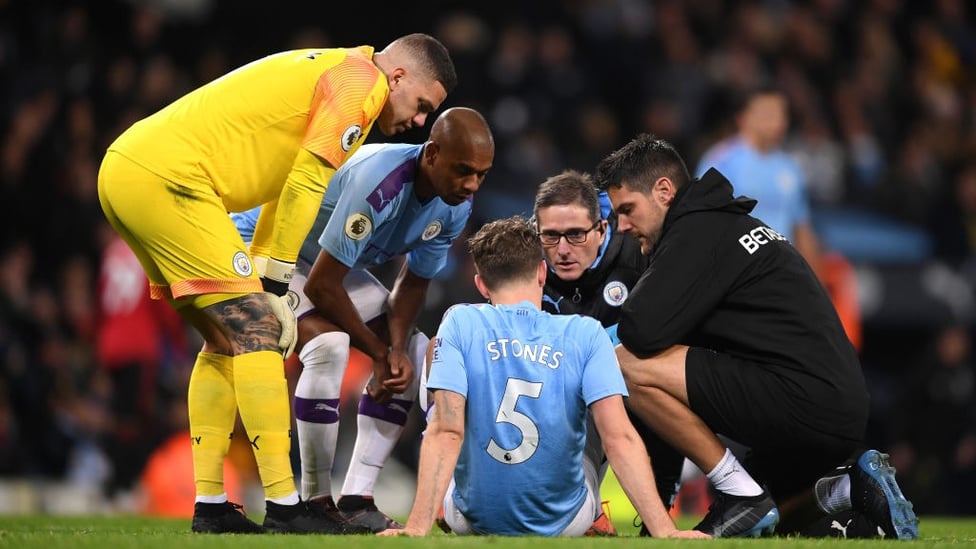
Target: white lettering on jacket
{"points": [[757, 237]]}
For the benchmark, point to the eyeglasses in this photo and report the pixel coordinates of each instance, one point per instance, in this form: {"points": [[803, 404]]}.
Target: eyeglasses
{"points": [[574, 236]]}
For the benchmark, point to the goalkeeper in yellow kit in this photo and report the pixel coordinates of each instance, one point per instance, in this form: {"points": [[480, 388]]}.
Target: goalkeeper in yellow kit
{"points": [[272, 132]]}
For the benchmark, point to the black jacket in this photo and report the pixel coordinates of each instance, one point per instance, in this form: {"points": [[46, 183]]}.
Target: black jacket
{"points": [[601, 290], [720, 279]]}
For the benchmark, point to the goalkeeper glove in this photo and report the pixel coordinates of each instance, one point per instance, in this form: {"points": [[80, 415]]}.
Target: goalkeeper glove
{"points": [[276, 276], [289, 324]]}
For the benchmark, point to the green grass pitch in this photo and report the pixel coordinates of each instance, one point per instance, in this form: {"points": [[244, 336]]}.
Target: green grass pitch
{"points": [[110, 532]]}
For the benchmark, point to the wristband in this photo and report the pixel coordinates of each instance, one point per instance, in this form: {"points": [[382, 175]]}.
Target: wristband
{"points": [[279, 270], [260, 263], [277, 275], [275, 287]]}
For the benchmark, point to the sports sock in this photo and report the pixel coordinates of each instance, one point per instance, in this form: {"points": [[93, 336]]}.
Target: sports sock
{"points": [[290, 499], [729, 477], [212, 410], [262, 399], [833, 493], [317, 394], [212, 499], [380, 426]]}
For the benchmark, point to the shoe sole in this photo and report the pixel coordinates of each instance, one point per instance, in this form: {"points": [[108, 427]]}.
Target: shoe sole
{"points": [[903, 518]]}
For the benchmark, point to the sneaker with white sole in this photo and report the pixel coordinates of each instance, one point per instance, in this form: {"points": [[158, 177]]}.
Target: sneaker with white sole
{"points": [[875, 493], [740, 516]]}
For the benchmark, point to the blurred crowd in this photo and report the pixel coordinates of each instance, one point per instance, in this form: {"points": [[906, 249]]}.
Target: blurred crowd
{"points": [[883, 122]]}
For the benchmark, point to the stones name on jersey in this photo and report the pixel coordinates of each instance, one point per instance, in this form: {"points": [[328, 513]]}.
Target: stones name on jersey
{"points": [[503, 348]]}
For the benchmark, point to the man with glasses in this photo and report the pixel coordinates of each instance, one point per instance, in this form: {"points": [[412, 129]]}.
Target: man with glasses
{"points": [[591, 267], [507, 450], [591, 270]]}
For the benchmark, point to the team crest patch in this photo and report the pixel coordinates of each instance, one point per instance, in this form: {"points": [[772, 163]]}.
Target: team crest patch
{"points": [[291, 298], [615, 293], [432, 230], [358, 226], [350, 136], [242, 264]]}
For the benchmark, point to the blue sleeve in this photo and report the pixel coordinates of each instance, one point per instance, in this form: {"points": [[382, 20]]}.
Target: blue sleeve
{"points": [[353, 220], [429, 259], [601, 372], [612, 332], [447, 366]]}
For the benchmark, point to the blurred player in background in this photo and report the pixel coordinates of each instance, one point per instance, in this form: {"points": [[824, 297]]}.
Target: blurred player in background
{"points": [[272, 132]]}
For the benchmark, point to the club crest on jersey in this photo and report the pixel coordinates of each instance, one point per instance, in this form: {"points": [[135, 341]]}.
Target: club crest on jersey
{"points": [[615, 293], [432, 230], [291, 298], [350, 136], [358, 226], [242, 264]]}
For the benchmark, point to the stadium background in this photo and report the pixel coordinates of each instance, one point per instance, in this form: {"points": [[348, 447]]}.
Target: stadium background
{"points": [[884, 122]]}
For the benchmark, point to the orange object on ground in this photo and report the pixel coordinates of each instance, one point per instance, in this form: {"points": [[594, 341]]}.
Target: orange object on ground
{"points": [[167, 481]]}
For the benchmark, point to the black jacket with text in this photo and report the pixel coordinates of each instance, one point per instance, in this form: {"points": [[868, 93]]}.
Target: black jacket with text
{"points": [[722, 280]]}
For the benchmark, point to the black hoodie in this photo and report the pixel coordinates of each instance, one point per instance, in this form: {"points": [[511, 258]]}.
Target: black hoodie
{"points": [[720, 279]]}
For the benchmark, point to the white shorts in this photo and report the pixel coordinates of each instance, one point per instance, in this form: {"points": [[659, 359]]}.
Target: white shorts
{"points": [[581, 522], [367, 293]]}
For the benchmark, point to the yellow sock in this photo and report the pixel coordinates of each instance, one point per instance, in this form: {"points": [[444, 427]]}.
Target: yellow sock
{"points": [[262, 398], [212, 409]]}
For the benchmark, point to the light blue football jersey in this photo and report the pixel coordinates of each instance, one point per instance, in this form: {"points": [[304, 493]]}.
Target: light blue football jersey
{"points": [[528, 377], [773, 178], [370, 214]]}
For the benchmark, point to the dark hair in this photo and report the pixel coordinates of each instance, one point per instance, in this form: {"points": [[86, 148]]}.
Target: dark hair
{"points": [[568, 188], [506, 250], [640, 163], [432, 56]]}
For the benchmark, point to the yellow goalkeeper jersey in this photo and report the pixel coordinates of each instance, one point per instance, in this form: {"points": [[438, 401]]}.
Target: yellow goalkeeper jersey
{"points": [[241, 133]]}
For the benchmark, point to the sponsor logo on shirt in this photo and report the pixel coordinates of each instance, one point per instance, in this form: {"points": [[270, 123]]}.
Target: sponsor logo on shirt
{"points": [[350, 136], [358, 226], [377, 200], [242, 264], [614, 293], [757, 237], [436, 356], [432, 230]]}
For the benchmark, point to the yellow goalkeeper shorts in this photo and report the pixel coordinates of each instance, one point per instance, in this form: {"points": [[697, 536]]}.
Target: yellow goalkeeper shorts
{"points": [[181, 234]]}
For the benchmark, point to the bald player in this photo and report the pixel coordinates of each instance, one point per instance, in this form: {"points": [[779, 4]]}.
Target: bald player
{"points": [[272, 132], [387, 201]]}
